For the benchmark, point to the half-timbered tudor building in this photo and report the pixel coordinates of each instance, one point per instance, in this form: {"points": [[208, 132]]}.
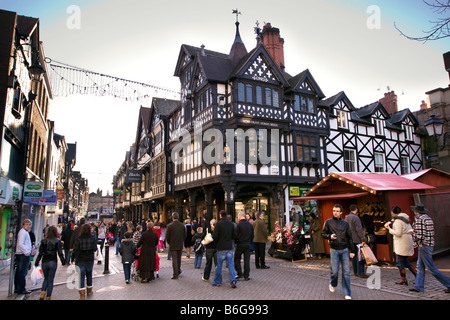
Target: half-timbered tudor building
{"points": [[369, 139], [249, 129]]}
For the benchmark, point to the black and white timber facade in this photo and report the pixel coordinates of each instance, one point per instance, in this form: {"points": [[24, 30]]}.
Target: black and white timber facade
{"points": [[245, 130]]}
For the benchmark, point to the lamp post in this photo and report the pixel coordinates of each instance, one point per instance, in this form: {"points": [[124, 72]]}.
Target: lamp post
{"points": [[435, 127], [36, 72]]}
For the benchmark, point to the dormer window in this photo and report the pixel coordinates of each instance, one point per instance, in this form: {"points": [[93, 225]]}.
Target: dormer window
{"points": [[408, 132], [342, 119], [379, 127]]}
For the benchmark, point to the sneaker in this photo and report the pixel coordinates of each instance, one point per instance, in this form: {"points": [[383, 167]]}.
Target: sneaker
{"points": [[348, 298], [233, 285], [206, 280], [331, 288], [216, 285]]}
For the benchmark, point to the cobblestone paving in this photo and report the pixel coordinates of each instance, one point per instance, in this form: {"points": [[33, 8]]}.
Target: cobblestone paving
{"points": [[304, 280]]}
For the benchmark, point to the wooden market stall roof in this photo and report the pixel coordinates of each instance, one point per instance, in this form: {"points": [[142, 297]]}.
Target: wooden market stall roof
{"points": [[357, 184]]}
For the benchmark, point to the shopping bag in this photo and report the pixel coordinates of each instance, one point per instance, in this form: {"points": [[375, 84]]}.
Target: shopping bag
{"points": [[99, 256], [36, 275], [368, 255]]}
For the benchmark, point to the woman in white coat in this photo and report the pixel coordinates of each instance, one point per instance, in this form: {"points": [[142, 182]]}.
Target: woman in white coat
{"points": [[403, 243]]}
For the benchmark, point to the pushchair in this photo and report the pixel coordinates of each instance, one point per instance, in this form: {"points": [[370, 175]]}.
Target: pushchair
{"points": [[134, 267]]}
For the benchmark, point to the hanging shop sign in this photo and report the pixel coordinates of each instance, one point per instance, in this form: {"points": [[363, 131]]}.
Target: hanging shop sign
{"points": [[10, 191], [133, 176], [33, 191]]}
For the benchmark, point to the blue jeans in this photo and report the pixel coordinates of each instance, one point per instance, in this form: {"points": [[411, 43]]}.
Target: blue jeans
{"points": [[340, 257], [425, 260], [86, 268], [127, 271], [226, 255], [49, 271], [22, 263], [198, 260]]}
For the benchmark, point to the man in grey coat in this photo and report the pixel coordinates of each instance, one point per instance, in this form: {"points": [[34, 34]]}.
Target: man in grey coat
{"points": [[175, 235], [358, 238]]}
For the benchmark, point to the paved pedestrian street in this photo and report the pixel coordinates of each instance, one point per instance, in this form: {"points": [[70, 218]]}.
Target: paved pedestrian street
{"points": [[303, 280]]}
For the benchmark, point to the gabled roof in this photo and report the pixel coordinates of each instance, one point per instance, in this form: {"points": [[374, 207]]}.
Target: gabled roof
{"points": [[164, 107], [396, 119], [361, 183], [334, 100], [298, 79]]}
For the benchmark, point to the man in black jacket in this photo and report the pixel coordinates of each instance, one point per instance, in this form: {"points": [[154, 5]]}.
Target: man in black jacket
{"points": [[244, 231], [224, 236], [338, 232]]}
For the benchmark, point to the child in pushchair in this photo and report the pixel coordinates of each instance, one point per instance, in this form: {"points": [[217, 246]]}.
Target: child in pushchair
{"points": [[135, 270]]}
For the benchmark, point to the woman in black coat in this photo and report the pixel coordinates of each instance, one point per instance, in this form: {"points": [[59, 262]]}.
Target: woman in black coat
{"points": [[147, 258]]}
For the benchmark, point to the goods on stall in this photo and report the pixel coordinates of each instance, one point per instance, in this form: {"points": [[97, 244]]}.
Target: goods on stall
{"points": [[288, 243]]}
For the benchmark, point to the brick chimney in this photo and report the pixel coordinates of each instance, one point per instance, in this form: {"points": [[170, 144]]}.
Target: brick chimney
{"points": [[389, 102], [274, 44]]}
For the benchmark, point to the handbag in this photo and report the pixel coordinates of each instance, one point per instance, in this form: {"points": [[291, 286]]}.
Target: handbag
{"points": [[208, 238], [368, 255]]}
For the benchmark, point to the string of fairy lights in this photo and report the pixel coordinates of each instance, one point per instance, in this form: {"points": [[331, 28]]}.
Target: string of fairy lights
{"points": [[68, 80]]}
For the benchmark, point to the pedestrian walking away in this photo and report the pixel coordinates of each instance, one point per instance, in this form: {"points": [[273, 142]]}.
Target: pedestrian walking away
{"points": [[147, 257], [198, 247], [338, 232], [244, 233], [260, 239], [211, 249], [358, 238], [22, 257], [188, 240], [83, 255], [127, 250], [402, 232], [175, 236], [423, 236], [49, 250], [224, 235], [66, 235]]}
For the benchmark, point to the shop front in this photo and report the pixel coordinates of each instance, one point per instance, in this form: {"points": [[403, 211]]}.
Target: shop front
{"points": [[378, 192]]}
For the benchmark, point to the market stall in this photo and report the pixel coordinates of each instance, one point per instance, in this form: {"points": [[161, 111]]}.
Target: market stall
{"points": [[377, 191]]}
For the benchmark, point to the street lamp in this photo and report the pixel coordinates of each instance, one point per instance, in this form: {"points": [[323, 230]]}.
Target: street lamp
{"points": [[435, 128]]}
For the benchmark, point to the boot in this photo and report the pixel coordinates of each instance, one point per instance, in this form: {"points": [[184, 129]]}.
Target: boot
{"points": [[82, 293], [403, 281], [89, 291], [413, 270], [43, 294], [48, 298]]}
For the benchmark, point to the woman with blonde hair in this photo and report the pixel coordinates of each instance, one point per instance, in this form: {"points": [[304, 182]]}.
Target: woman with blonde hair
{"points": [[211, 249], [403, 242]]}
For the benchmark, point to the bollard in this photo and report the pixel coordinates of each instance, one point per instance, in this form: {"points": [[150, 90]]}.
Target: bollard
{"points": [[106, 260]]}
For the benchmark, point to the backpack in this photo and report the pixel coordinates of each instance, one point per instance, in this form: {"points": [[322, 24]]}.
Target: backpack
{"points": [[198, 246]]}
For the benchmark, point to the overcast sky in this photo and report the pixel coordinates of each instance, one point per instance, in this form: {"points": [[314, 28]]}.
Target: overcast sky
{"points": [[348, 45]]}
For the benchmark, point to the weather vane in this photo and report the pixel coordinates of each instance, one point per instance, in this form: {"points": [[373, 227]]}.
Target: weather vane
{"points": [[237, 13]]}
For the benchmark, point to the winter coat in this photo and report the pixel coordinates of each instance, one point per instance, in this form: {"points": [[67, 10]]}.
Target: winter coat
{"points": [[66, 236], [224, 234], [147, 257], [84, 248], [403, 241], [356, 227], [260, 231], [127, 250], [175, 235], [245, 233], [317, 240]]}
